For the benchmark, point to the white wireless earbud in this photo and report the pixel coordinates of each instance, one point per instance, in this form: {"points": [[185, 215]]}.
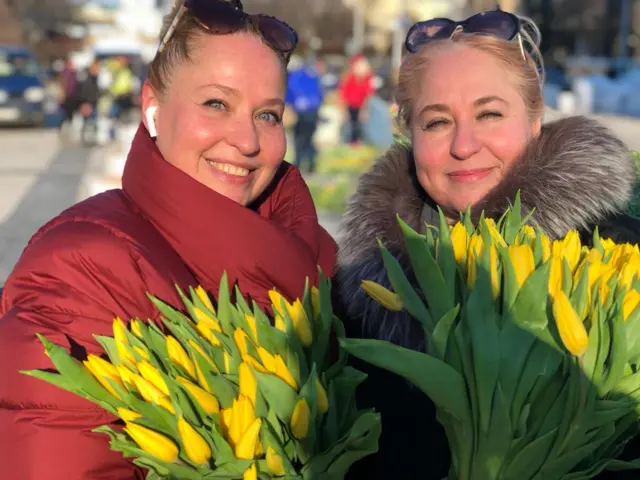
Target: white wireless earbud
{"points": [[150, 114]]}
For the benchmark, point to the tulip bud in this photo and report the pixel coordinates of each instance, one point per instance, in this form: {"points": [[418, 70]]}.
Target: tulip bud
{"points": [[103, 371], [152, 394], [206, 400], [207, 319], [521, 257], [315, 302], [179, 356], [460, 242], [630, 303], [195, 446], [227, 361], [149, 372], [280, 325], [204, 298], [241, 338], [571, 248], [545, 246], [527, 235], [141, 351], [267, 359], [207, 333], [284, 373], [472, 268], [383, 296], [570, 327], [246, 447], [301, 322], [250, 473], [248, 383], [153, 442], [274, 462], [300, 419], [127, 377], [194, 345], [495, 274], [555, 275], [496, 236], [128, 415], [252, 362], [277, 300], [323, 399], [119, 331], [252, 325], [136, 329]]}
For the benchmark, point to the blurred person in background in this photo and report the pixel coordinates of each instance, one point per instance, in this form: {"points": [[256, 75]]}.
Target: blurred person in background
{"points": [[304, 96], [122, 88], [69, 84], [355, 89], [205, 190], [88, 96], [471, 110]]}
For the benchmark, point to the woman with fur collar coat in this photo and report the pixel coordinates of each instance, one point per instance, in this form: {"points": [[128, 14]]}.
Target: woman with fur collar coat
{"points": [[471, 104]]}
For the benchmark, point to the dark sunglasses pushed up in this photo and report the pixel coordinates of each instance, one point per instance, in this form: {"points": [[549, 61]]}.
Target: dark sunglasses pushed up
{"points": [[496, 23], [223, 17]]}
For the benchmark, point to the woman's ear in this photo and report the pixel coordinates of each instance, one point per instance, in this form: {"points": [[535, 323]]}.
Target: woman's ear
{"points": [[149, 109]]}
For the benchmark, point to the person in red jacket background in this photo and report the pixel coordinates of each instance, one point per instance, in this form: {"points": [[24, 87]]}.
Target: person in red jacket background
{"points": [[205, 190], [356, 87]]}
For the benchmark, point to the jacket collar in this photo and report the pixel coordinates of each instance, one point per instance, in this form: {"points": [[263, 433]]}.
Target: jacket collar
{"points": [[213, 234]]}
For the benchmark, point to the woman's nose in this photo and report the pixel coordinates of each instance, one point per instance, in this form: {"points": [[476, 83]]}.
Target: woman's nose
{"points": [[243, 135], [464, 143]]}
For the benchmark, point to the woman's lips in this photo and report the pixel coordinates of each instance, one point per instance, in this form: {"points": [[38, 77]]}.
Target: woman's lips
{"points": [[470, 176], [231, 174]]}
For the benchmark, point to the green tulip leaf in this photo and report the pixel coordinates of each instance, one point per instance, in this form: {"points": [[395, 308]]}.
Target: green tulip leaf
{"points": [[435, 378]]}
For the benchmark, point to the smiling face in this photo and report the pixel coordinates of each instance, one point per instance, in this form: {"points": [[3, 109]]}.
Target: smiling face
{"points": [[219, 119], [470, 123]]}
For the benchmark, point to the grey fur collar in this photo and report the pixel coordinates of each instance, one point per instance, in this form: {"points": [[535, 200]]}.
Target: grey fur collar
{"points": [[575, 175]]}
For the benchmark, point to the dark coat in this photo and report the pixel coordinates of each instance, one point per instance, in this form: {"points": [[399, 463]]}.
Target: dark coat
{"points": [[576, 174]]}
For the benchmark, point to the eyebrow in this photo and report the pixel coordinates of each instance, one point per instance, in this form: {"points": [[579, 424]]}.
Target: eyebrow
{"points": [[236, 93], [440, 107]]}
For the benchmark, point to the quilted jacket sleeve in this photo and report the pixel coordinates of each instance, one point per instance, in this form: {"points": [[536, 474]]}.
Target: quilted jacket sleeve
{"points": [[68, 285]]}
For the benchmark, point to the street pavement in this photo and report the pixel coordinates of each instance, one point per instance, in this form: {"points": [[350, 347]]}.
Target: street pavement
{"points": [[40, 177]]}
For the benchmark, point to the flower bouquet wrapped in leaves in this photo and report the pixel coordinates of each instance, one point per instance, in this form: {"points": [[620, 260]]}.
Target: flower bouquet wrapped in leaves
{"points": [[221, 393], [533, 346]]}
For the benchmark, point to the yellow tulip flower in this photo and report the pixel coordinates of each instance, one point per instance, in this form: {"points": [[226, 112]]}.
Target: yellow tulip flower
{"points": [[472, 268], [247, 382], [250, 473], [315, 301], [572, 248], [546, 246], [300, 419], [205, 399], [277, 300], [179, 356], [103, 370], [460, 242], [252, 362], [207, 333], [236, 420], [495, 274], [527, 234], [204, 298], [149, 372], [555, 275], [323, 399], [241, 338], [630, 303], [284, 373], [521, 257], [127, 377], [383, 296], [267, 359], [496, 236], [194, 345], [152, 394], [128, 415], [195, 446], [119, 331], [136, 329], [227, 361], [301, 323], [248, 444], [570, 327], [141, 351], [152, 442], [252, 325], [280, 325], [275, 464]]}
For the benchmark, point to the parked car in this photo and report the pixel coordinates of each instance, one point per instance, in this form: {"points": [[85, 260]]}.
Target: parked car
{"points": [[22, 92]]}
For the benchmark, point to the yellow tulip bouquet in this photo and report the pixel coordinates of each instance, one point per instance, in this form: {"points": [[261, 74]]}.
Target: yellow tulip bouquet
{"points": [[532, 346], [221, 393]]}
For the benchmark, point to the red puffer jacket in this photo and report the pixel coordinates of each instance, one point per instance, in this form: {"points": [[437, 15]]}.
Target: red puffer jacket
{"points": [[99, 259]]}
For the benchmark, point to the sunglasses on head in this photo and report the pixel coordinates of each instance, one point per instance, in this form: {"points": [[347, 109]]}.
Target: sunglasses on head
{"points": [[222, 17], [496, 23]]}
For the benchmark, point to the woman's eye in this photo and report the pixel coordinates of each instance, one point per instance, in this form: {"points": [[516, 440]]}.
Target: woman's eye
{"points": [[490, 115], [214, 103], [434, 124], [271, 117]]}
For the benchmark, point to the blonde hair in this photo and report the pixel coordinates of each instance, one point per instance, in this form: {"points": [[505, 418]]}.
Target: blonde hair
{"points": [[182, 43], [527, 70]]}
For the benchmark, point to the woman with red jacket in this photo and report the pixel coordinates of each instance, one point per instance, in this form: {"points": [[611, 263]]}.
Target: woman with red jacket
{"points": [[205, 190], [355, 89]]}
